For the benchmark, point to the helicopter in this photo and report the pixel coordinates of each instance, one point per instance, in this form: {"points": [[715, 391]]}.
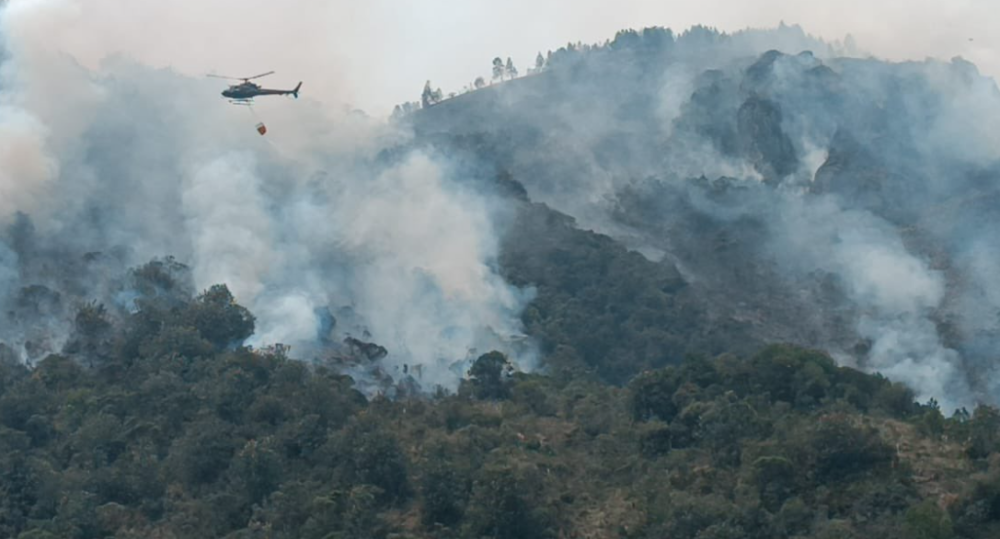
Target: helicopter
{"points": [[243, 93]]}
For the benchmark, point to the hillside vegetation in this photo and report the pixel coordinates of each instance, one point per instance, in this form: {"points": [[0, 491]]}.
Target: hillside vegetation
{"points": [[694, 262], [154, 425]]}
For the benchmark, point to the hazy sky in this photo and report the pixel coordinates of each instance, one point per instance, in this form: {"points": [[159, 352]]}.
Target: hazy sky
{"points": [[376, 53]]}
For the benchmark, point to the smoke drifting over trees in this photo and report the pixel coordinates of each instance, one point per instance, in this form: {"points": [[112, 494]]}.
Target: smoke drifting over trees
{"points": [[813, 198], [628, 294], [320, 233], [798, 193]]}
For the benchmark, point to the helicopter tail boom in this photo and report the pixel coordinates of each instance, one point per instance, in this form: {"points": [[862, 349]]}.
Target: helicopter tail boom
{"points": [[295, 92]]}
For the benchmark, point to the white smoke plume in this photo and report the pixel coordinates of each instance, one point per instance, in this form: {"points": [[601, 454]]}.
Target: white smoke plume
{"points": [[228, 225], [847, 190], [103, 152], [110, 137], [27, 167]]}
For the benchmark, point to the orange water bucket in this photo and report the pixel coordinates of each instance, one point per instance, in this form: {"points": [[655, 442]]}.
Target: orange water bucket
{"points": [[261, 128]]}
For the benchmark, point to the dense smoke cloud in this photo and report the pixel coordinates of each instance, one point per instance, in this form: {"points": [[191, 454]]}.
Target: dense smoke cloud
{"points": [[310, 228], [27, 168], [839, 183], [822, 200]]}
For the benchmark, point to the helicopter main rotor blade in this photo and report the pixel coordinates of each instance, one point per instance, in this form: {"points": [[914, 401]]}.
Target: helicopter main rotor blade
{"points": [[259, 76], [241, 78]]}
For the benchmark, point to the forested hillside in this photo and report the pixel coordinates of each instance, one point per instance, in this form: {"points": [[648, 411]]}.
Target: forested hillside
{"points": [[835, 202], [156, 428], [156, 423], [696, 286]]}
